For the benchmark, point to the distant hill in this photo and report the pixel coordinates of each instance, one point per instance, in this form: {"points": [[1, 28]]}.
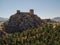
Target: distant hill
{"points": [[3, 19], [56, 19]]}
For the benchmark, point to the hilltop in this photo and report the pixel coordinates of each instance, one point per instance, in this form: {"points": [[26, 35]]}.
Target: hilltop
{"points": [[21, 21]]}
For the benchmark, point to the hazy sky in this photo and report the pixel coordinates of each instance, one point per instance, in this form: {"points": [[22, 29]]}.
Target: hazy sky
{"points": [[43, 8]]}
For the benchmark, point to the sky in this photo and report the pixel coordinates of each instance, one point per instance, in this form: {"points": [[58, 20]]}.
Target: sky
{"points": [[43, 8]]}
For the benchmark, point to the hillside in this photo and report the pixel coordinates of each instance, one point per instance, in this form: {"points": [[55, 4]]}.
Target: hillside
{"points": [[21, 21], [56, 19], [43, 35], [26, 28]]}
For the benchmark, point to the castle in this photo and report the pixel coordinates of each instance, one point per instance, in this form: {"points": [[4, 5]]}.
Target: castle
{"points": [[21, 21], [31, 12]]}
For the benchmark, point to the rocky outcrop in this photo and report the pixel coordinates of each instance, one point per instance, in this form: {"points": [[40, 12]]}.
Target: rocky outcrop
{"points": [[22, 21]]}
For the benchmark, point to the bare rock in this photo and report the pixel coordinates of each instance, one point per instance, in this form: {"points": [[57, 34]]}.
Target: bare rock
{"points": [[22, 21]]}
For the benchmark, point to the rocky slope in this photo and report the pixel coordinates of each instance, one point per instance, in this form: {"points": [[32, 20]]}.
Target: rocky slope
{"points": [[22, 21]]}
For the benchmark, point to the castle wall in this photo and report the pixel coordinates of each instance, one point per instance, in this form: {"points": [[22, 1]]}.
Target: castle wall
{"points": [[31, 12]]}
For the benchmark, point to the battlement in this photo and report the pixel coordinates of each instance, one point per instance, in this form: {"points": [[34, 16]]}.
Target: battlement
{"points": [[18, 11], [31, 12]]}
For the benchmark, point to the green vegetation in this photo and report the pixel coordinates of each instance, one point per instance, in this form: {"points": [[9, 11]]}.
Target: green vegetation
{"points": [[43, 35]]}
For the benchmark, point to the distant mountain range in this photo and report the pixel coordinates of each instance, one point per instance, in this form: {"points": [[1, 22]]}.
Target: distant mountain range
{"points": [[56, 19], [3, 19]]}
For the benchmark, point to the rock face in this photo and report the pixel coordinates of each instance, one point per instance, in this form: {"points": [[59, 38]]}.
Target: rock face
{"points": [[22, 21]]}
